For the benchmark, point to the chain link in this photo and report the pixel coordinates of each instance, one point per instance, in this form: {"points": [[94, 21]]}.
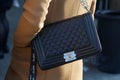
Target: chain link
{"points": [[85, 4], [33, 66]]}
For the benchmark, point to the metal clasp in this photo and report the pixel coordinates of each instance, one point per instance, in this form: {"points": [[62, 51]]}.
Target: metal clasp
{"points": [[70, 56]]}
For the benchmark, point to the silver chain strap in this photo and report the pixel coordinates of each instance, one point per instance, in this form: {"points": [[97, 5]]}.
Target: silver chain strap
{"points": [[84, 4], [32, 75]]}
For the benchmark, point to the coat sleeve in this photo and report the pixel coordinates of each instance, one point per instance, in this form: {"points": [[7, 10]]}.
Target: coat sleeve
{"points": [[31, 21]]}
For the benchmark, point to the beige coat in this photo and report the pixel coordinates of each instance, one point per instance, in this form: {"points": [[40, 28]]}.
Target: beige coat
{"points": [[36, 14]]}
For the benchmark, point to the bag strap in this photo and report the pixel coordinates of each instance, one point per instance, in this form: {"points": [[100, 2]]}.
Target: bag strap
{"points": [[85, 4], [32, 74]]}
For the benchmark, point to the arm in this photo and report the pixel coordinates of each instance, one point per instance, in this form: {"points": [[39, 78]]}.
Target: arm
{"points": [[31, 21]]}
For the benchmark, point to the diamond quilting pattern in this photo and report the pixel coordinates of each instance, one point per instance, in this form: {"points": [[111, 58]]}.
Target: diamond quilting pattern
{"points": [[61, 38]]}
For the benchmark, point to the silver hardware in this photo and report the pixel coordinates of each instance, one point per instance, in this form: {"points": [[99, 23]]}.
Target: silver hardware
{"points": [[30, 77], [33, 79], [33, 57], [33, 70], [84, 4], [69, 56]]}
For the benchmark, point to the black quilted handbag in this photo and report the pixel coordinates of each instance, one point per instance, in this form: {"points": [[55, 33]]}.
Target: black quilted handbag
{"points": [[66, 41]]}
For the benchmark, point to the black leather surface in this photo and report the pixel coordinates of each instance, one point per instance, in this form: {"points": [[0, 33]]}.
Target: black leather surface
{"points": [[75, 34]]}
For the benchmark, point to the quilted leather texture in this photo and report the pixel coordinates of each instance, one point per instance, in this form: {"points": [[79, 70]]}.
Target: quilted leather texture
{"points": [[75, 34], [64, 37]]}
